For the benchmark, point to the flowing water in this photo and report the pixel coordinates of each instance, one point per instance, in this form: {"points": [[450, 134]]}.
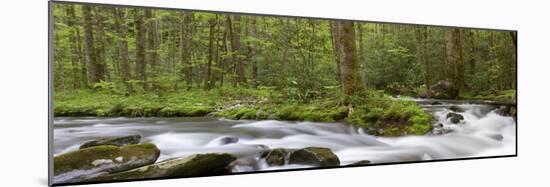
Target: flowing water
{"points": [[481, 133]]}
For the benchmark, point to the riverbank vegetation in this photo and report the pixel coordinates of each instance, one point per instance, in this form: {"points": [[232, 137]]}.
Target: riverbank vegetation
{"points": [[139, 62]]}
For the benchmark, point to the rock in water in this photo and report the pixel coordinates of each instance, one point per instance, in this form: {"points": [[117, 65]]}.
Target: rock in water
{"points": [[190, 166], [360, 163], [228, 140], [444, 90], [317, 156], [276, 157], [497, 137], [117, 141], [455, 118], [455, 108], [84, 163]]}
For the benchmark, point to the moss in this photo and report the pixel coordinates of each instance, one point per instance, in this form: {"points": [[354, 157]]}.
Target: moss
{"points": [[133, 156], [502, 95]]}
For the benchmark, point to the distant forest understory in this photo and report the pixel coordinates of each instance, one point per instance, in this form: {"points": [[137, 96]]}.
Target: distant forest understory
{"points": [[138, 62]]}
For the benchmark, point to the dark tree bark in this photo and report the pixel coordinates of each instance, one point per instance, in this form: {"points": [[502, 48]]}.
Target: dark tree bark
{"points": [[122, 30], [421, 38], [362, 60], [351, 81], [454, 58], [472, 62], [186, 40], [253, 48], [208, 83], [91, 57], [152, 48], [141, 66], [235, 34], [334, 35], [101, 58], [75, 53]]}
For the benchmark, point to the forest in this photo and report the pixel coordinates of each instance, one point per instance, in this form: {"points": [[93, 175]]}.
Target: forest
{"points": [[140, 62]]}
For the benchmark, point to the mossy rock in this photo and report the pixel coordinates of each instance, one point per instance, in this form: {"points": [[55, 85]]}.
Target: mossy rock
{"points": [[83, 163], [454, 117], [116, 141], [276, 157], [455, 108], [190, 166], [316, 156]]}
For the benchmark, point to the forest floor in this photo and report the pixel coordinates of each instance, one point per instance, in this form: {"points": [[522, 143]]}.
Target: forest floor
{"points": [[373, 110]]}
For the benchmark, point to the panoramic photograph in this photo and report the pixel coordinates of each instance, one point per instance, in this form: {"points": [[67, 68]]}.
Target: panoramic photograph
{"points": [[144, 93]]}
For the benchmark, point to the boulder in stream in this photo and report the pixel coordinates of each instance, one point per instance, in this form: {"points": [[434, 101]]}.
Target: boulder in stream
{"points": [[116, 141], [455, 108], [189, 166], [317, 156], [443, 89], [454, 117], [360, 163], [88, 162], [276, 157]]}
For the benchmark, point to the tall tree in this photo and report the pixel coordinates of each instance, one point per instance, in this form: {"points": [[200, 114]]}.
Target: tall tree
{"points": [[421, 38], [351, 81], [212, 23], [361, 54], [253, 48], [334, 35], [141, 66], [152, 47], [186, 40], [122, 30], [76, 59], [100, 46], [454, 57], [235, 34], [91, 57]]}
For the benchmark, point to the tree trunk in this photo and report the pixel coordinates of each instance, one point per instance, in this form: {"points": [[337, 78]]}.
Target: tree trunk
{"points": [[472, 62], [91, 57], [75, 53], [152, 46], [141, 66], [235, 34], [208, 82], [253, 48], [101, 59], [362, 60], [454, 58], [122, 29], [421, 38], [349, 67], [335, 46], [186, 40]]}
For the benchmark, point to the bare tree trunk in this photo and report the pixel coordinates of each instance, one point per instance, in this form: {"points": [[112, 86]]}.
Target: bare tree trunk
{"points": [[335, 46], [208, 82], [421, 38], [454, 58], [152, 46], [141, 66], [186, 39], [362, 60], [122, 29], [253, 49], [101, 59], [91, 57], [351, 82], [75, 53]]}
